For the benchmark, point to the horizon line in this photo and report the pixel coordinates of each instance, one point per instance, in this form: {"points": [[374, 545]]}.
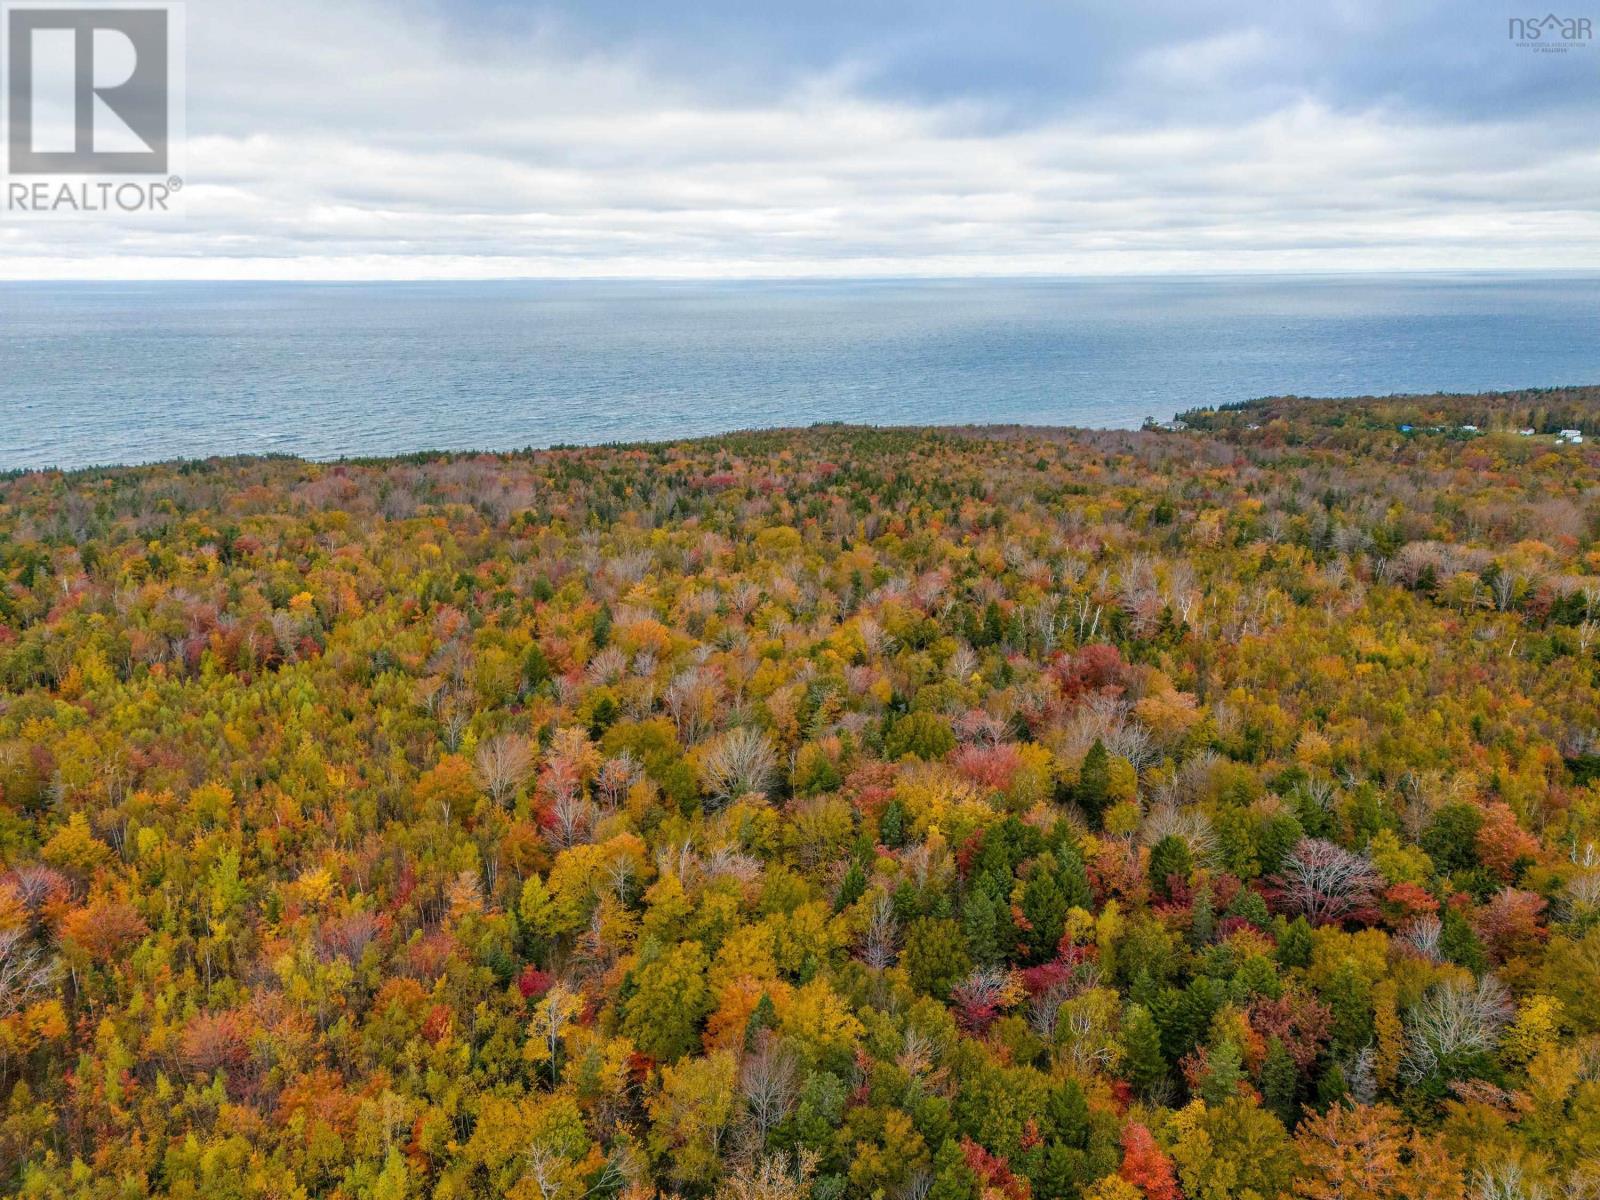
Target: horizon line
{"points": [[997, 277]]}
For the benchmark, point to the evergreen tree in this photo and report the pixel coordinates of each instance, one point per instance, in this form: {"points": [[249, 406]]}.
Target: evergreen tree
{"points": [[953, 1179], [1279, 1083], [1202, 919], [982, 921], [1144, 991], [1185, 1022], [1169, 859], [819, 1111], [1451, 839], [1073, 877], [1332, 1087], [1094, 781], [1249, 905], [1143, 1063], [1044, 907], [762, 1018], [1067, 1114], [1460, 945], [535, 669], [892, 825], [1073, 1156], [1224, 1072], [1294, 944], [851, 888]]}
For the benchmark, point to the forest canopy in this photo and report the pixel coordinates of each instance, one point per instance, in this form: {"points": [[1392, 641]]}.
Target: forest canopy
{"points": [[1016, 814]]}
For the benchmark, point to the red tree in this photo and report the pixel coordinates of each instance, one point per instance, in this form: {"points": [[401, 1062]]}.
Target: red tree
{"points": [[1146, 1166]]}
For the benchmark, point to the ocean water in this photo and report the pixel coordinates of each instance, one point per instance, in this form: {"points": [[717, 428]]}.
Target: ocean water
{"points": [[122, 373]]}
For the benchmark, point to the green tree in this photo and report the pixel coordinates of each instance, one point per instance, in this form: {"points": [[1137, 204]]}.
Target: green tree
{"points": [[535, 669], [953, 1179], [1224, 1072], [935, 956], [983, 922], [892, 824], [1169, 859], [1280, 1082], [1459, 944], [819, 1112], [1202, 919], [1249, 905], [1044, 907], [1349, 998], [1294, 943], [762, 1018], [1143, 1062], [1451, 838], [921, 735], [1093, 791]]}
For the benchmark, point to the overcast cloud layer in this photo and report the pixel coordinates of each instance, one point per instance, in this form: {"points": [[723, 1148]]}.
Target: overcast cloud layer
{"points": [[399, 138]]}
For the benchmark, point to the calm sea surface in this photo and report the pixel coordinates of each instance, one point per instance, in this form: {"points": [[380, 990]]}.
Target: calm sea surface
{"points": [[117, 373]]}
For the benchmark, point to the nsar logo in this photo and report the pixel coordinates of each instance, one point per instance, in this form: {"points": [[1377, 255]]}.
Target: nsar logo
{"points": [[1550, 32]]}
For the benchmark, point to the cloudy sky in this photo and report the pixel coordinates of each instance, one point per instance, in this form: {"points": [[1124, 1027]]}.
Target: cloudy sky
{"points": [[468, 138]]}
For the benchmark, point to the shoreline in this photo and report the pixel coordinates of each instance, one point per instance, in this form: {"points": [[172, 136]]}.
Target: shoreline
{"points": [[1181, 423]]}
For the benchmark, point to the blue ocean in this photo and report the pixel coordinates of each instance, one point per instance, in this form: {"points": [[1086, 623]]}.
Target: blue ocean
{"points": [[135, 372]]}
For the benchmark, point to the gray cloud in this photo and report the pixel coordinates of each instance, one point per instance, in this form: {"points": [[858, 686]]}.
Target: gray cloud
{"points": [[394, 138]]}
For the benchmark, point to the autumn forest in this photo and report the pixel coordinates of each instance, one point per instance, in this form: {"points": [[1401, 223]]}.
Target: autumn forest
{"points": [[1209, 812]]}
